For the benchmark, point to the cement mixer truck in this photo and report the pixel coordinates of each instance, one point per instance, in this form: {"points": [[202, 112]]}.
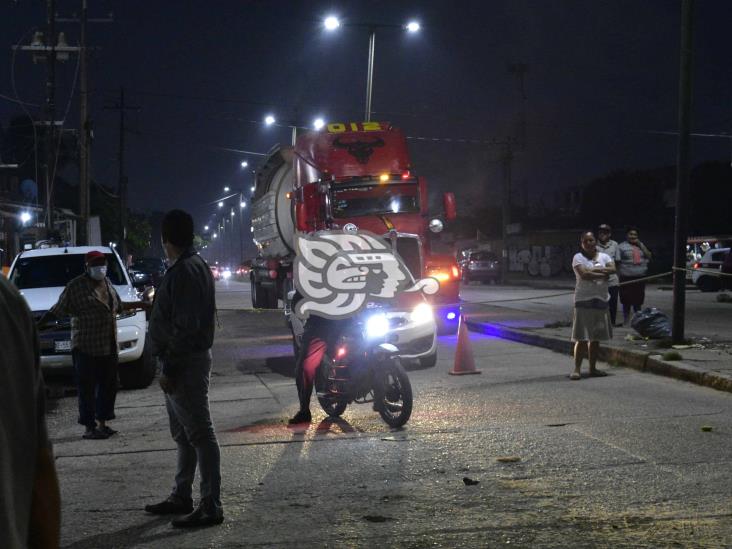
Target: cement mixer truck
{"points": [[348, 173]]}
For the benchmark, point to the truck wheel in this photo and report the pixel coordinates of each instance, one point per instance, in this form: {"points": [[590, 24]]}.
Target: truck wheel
{"points": [[260, 298], [708, 284], [139, 373], [271, 299]]}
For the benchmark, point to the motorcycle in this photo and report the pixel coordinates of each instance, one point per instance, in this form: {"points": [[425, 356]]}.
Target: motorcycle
{"points": [[365, 368], [362, 368]]}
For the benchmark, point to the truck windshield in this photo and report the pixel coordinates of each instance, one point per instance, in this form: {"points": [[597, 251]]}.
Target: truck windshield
{"points": [[390, 198], [56, 270]]}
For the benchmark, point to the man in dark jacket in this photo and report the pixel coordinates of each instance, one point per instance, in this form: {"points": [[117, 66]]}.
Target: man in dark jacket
{"points": [[181, 328]]}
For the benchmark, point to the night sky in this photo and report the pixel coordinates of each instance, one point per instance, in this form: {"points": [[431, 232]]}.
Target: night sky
{"points": [[602, 80]]}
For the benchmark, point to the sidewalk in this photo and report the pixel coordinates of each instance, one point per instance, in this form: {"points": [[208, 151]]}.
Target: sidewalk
{"points": [[704, 362]]}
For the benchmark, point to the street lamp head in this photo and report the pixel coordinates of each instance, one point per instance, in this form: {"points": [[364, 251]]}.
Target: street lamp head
{"points": [[232, 213], [205, 227], [412, 26], [226, 189], [331, 23], [269, 120], [242, 204], [221, 204], [215, 235], [25, 217], [244, 163], [253, 188], [318, 124]]}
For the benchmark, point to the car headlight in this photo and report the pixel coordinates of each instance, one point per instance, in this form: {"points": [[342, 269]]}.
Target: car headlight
{"points": [[421, 314], [377, 326], [227, 274]]}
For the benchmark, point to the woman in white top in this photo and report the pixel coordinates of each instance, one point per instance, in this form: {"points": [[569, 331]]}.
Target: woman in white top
{"points": [[591, 322]]}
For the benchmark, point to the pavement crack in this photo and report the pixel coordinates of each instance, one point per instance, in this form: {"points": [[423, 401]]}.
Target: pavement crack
{"points": [[271, 392]]}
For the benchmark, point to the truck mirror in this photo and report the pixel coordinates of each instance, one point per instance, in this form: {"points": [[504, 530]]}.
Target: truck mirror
{"points": [[448, 201]]}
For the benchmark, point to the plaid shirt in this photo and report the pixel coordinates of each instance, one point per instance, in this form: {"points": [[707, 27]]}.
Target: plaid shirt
{"points": [[93, 322]]}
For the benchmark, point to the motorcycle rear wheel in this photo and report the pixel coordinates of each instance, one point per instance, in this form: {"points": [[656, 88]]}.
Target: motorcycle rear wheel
{"points": [[394, 398]]}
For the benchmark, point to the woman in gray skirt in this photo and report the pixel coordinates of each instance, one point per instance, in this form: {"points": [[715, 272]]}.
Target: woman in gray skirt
{"points": [[591, 322]]}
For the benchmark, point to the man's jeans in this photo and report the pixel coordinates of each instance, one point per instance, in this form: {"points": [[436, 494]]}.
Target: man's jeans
{"points": [[96, 381], [193, 430]]}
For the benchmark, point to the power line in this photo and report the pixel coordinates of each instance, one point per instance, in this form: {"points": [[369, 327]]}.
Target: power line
{"points": [[18, 101]]}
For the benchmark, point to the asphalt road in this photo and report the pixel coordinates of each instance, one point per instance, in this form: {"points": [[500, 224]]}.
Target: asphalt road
{"points": [[629, 460]]}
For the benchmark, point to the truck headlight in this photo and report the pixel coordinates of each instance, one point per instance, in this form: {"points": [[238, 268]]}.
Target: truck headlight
{"points": [[377, 326], [421, 314]]}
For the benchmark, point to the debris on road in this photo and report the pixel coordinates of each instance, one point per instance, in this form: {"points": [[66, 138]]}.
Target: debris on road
{"points": [[470, 482], [508, 459], [706, 428]]}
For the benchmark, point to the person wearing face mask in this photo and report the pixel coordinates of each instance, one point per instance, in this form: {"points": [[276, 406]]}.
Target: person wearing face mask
{"points": [[633, 258], [608, 246], [93, 305]]}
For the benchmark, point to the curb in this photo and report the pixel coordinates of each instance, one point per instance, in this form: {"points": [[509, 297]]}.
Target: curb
{"points": [[638, 360]]}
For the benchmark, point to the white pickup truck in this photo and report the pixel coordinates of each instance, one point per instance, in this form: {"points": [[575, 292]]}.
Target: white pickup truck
{"points": [[41, 276]]}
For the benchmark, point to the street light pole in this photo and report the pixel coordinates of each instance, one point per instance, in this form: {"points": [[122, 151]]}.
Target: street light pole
{"points": [[370, 74]]}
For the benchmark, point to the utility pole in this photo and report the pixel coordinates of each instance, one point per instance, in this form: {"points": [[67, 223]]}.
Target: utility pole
{"points": [[682, 171], [241, 227], [121, 107], [520, 69], [50, 134], [84, 140], [83, 132], [506, 207]]}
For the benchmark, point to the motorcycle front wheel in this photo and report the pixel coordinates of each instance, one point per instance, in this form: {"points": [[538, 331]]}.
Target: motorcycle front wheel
{"points": [[394, 396], [331, 405]]}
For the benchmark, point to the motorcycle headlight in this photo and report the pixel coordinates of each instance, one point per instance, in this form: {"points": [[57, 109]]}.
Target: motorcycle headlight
{"points": [[421, 314], [377, 326]]}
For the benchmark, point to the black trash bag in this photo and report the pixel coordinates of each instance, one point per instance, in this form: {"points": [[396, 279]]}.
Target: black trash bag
{"points": [[652, 323]]}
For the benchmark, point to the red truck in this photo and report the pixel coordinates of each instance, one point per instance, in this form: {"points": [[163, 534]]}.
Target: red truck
{"points": [[358, 173]]}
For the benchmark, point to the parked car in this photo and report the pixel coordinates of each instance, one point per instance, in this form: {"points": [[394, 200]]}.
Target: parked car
{"points": [[152, 266], [704, 276], [42, 274], [215, 272], [480, 265]]}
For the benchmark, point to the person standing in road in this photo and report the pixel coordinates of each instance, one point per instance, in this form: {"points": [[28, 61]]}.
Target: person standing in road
{"points": [[633, 258], [609, 247], [30, 505], [590, 323], [181, 329], [93, 305]]}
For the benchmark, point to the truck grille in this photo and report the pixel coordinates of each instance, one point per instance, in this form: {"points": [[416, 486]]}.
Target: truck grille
{"points": [[409, 249]]}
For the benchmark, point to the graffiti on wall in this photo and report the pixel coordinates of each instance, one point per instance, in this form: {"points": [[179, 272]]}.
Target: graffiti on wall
{"points": [[545, 261]]}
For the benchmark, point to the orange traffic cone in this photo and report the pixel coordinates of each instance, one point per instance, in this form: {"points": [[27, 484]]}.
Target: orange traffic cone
{"points": [[464, 363]]}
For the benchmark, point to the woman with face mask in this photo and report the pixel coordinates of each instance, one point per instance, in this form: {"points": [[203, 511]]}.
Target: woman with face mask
{"points": [[633, 258], [93, 305]]}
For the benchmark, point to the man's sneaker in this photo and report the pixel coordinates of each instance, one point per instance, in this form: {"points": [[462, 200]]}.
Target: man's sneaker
{"points": [[171, 506], [206, 514], [107, 430], [303, 416]]}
